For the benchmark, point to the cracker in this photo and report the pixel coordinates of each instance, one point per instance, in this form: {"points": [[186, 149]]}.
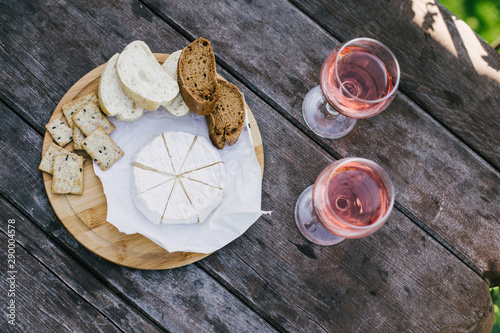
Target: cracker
{"points": [[90, 117], [103, 150], [78, 138], [68, 174], [61, 133], [69, 109], [47, 162]]}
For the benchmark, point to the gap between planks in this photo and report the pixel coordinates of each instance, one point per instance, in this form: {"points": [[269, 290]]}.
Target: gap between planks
{"points": [[63, 248], [269, 101], [216, 278], [20, 116], [54, 274], [84, 265], [300, 127], [320, 142], [2, 99], [405, 93]]}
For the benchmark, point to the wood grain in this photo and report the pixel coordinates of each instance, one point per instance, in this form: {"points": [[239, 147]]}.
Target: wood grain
{"points": [[194, 299], [359, 284], [48, 265], [447, 69], [62, 308], [446, 188], [179, 300], [176, 300], [37, 74], [270, 278], [85, 215]]}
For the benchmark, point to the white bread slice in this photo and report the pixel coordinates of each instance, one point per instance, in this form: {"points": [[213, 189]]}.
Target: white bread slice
{"points": [[170, 65], [112, 99], [177, 106], [142, 77]]}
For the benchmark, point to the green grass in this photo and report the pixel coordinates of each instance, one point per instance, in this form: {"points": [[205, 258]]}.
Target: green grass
{"points": [[483, 16], [495, 295]]}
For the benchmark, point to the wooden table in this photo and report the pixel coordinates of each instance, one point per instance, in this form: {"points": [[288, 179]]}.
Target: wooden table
{"points": [[427, 270]]}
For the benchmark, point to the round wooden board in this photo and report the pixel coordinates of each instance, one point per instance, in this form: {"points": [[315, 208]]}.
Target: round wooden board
{"points": [[85, 215]]}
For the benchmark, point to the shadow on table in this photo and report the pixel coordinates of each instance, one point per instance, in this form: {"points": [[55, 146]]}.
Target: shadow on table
{"points": [[457, 37]]}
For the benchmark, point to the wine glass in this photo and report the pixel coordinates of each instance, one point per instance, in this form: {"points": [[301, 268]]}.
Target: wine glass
{"points": [[351, 198], [358, 79]]}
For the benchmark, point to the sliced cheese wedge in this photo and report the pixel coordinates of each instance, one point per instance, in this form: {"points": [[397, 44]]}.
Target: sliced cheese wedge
{"points": [[154, 156], [179, 209], [203, 198], [178, 145], [213, 175], [146, 180], [112, 99], [152, 203], [201, 154], [142, 77], [168, 194]]}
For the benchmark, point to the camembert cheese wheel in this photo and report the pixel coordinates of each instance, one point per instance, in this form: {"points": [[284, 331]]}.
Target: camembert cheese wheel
{"points": [[179, 178]]}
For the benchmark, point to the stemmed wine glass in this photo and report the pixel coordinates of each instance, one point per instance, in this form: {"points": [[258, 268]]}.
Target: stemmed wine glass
{"points": [[351, 198], [358, 79]]}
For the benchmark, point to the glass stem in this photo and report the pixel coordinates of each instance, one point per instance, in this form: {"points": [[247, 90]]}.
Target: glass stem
{"points": [[329, 111], [311, 225]]}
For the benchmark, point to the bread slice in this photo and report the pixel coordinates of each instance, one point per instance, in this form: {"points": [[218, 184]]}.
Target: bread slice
{"points": [[112, 99], [170, 64], [197, 77], [176, 106], [68, 174], [142, 77], [103, 150], [47, 163], [226, 122], [76, 105], [60, 132], [90, 117]]}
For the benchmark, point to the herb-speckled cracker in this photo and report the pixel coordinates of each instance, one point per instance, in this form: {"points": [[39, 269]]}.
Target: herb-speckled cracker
{"points": [[69, 109], [61, 133], [90, 118], [47, 162], [103, 150], [68, 174], [78, 138]]}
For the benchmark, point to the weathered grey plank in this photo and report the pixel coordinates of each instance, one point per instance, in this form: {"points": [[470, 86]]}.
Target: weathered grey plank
{"points": [[357, 284], [447, 69], [286, 142], [286, 94], [51, 258], [190, 299], [179, 300], [448, 188], [48, 46], [42, 301], [25, 93]]}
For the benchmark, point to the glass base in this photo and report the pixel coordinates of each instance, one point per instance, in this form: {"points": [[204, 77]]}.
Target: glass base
{"points": [[308, 223], [322, 119]]}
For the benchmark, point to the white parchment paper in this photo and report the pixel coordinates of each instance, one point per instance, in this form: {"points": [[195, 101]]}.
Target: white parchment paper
{"points": [[240, 207]]}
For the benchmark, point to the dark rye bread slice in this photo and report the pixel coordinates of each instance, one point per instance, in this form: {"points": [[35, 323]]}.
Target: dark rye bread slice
{"points": [[226, 122], [197, 77]]}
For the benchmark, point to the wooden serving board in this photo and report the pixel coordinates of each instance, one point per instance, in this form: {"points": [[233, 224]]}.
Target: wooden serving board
{"points": [[85, 215]]}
